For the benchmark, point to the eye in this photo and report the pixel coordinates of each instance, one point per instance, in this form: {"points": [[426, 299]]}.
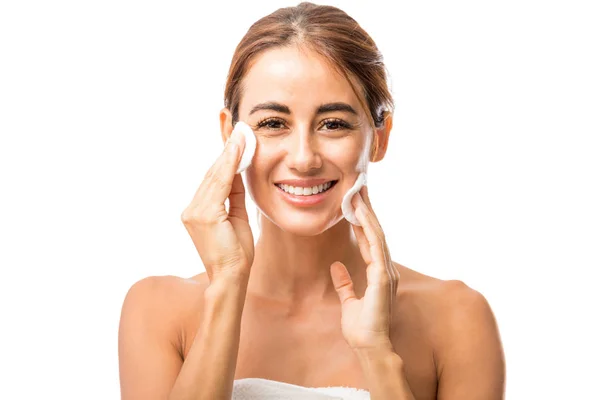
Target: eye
{"points": [[270, 123], [274, 124], [336, 124]]}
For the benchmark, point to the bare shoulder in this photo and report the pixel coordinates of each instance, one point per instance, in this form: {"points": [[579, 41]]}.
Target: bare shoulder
{"points": [[151, 334], [446, 304], [462, 330], [167, 291], [450, 298], [166, 302]]}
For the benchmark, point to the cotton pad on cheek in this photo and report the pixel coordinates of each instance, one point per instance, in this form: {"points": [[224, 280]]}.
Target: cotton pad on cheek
{"points": [[250, 146], [347, 208]]}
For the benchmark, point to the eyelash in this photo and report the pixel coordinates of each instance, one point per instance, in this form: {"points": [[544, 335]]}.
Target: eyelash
{"points": [[341, 123]]}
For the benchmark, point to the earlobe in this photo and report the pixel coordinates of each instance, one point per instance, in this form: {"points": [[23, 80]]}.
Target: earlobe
{"points": [[226, 123]]}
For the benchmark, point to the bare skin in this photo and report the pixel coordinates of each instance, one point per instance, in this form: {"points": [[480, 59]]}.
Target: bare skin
{"points": [[290, 328], [303, 345]]}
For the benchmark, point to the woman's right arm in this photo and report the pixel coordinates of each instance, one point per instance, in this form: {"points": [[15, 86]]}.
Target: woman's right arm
{"points": [[150, 360], [209, 369]]}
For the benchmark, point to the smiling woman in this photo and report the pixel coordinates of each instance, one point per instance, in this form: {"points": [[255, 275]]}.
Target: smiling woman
{"points": [[316, 308], [309, 124]]}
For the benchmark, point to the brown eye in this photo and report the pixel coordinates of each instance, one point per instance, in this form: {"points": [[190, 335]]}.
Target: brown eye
{"points": [[332, 125], [270, 123], [335, 124]]}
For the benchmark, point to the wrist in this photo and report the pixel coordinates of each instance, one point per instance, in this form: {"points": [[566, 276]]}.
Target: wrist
{"points": [[229, 282], [384, 370], [375, 346], [379, 352]]}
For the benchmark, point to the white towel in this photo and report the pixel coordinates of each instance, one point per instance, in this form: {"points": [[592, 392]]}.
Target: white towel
{"points": [[266, 389]]}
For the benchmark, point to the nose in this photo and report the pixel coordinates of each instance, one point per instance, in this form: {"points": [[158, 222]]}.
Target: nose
{"points": [[303, 151]]}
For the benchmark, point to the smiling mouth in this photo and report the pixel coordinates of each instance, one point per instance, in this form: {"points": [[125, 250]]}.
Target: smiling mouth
{"points": [[306, 191]]}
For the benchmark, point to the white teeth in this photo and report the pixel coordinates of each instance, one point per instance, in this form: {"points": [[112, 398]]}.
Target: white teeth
{"points": [[305, 191]]}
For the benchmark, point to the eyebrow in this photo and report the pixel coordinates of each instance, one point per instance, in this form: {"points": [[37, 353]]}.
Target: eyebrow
{"points": [[323, 108]]}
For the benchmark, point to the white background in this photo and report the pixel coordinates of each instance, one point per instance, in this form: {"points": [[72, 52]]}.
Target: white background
{"points": [[109, 120]]}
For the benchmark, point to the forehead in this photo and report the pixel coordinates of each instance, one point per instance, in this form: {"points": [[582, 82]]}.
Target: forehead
{"points": [[300, 79]]}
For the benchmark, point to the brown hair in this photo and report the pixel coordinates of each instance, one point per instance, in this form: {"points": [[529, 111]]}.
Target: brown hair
{"points": [[329, 32]]}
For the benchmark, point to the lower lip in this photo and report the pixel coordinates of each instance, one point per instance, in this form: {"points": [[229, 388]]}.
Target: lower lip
{"points": [[304, 200]]}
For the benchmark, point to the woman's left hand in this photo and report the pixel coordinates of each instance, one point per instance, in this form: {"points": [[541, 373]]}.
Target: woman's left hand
{"points": [[366, 321]]}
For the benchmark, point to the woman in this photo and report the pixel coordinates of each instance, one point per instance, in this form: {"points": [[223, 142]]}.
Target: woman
{"points": [[317, 302]]}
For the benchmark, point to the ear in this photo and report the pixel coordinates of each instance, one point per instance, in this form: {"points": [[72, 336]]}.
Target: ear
{"points": [[226, 123], [381, 138]]}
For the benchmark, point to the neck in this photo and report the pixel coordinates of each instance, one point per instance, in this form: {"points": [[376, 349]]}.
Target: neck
{"points": [[294, 269]]}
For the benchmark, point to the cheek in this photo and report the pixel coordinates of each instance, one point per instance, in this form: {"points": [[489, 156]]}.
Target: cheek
{"points": [[253, 184], [347, 156], [263, 162], [258, 172]]}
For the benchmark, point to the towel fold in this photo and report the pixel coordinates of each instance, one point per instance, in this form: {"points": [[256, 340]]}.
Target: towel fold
{"points": [[266, 389]]}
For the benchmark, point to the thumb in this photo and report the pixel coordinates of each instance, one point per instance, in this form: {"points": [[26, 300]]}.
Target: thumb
{"points": [[342, 282]]}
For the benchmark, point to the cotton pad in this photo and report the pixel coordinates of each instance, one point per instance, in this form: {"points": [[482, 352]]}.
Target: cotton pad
{"points": [[250, 146], [347, 208]]}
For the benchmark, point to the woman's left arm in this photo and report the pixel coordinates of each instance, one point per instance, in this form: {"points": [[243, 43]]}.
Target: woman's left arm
{"points": [[470, 358], [384, 373], [366, 321]]}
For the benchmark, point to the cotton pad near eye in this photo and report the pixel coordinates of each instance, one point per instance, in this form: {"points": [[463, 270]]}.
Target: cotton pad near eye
{"points": [[250, 146], [347, 208]]}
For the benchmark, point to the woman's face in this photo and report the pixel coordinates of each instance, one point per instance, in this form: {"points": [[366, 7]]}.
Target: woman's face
{"points": [[311, 130]]}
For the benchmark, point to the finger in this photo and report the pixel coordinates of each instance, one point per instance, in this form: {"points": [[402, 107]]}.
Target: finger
{"points": [[393, 274], [363, 243], [364, 193], [371, 229], [217, 184], [358, 202], [389, 267], [342, 282], [395, 277], [237, 199]]}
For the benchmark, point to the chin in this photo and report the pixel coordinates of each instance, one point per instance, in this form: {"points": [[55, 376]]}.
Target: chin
{"points": [[307, 228], [303, 223]]}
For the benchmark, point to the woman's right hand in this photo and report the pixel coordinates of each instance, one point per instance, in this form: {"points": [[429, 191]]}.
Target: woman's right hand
{"points": [[223, 239]]}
